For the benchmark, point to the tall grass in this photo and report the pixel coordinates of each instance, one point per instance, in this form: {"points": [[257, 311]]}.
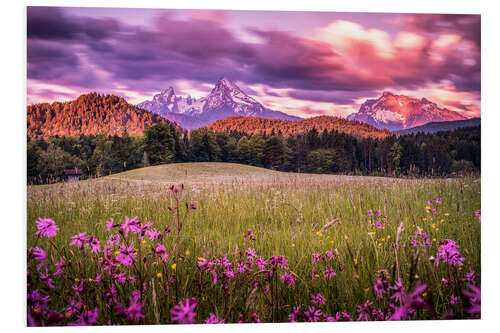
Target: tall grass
{"points": [[290, 218]]}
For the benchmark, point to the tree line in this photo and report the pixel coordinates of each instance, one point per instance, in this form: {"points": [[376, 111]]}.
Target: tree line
{"points": [[414, 155]]}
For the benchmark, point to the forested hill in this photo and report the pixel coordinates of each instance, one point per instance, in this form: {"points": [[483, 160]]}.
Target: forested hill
{"points": [[88, 114], [252, 125]]}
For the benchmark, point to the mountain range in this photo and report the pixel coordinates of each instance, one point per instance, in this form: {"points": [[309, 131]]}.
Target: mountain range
{"points": [[397, 112], [228, 108], [225, 100]]}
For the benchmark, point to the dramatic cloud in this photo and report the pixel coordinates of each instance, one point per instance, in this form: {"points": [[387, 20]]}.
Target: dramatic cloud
{"points": [[325, 71]]}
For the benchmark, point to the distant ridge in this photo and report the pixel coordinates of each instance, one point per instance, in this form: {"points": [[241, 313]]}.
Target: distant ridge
{"points": [[434, 127], [252, 125]]}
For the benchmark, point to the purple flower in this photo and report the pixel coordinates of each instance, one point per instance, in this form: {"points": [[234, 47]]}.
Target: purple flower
{"points": [[260, 263], [45, 278], [342, 316], [438, 201], [288, 279], [184, 313], [448, 253], [73, 307], [470, 277], [134, 311], [213, 319], [60, 265], [316, 257], [420, 239], [379, 225], [369, 213], [242, 267], [114, 239], [161, 251], [454, 299], [109, 225], [46, 227], [318, 299], [312, 314], [295, 314], [127, 255], [381, 287], [129, 224], [229, 274], [473, 299], [153, 234], [330, 255], [365, 311], [79, 240], [40, 255], [278, 261], [410, 303], [250, 253], [94, 244], [86, 318], [120, 277], [329, 273], [399, 291]]}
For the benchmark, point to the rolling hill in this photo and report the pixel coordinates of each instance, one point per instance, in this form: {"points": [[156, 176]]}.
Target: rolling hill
{"points": [[88, 114], [253, 125]]}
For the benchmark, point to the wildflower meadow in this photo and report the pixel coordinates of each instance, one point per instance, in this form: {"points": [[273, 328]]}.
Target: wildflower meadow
{"points": [[333, 248]]}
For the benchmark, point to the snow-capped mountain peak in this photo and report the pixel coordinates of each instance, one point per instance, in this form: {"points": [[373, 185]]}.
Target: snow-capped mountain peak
{"points": [[226, 99], [396, 112]]}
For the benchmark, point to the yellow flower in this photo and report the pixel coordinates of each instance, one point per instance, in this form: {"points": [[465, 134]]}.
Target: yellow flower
{"points": [[143, 241], [319, 234], [67, 314], [425, 219], [434, 240], [77, 280], [201, 259], [90, 279], [442, 220], [388, 236], [293, 244], [437, 229], [424, 294], [174, 266], [36, 309], [331, 242], [118, 265], [371, 233], [427, 209], [382, 239], [434, 225], [367, 289], [187, 252], [159, 275], [316, 275], [446, 214], [203, 299], [117, 253]]}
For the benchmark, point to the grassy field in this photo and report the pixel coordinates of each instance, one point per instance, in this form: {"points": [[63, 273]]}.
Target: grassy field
{"points": [[291, 215]]}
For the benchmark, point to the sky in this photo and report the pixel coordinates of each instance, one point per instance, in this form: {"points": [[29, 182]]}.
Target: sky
{"points": [[301, 63]]}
